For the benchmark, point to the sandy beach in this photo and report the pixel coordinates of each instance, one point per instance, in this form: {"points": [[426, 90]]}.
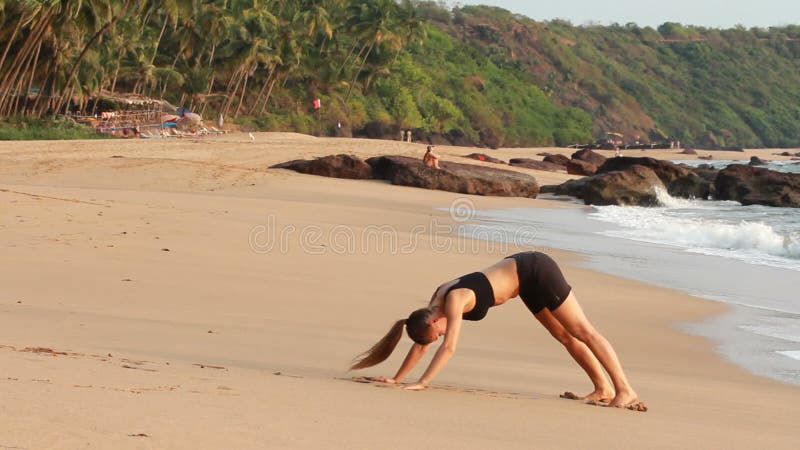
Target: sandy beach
{"points": [[180, 294]]}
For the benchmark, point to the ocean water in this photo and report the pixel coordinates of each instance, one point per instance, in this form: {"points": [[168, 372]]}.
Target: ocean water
{"points": [[745, 256], [781, 166]]}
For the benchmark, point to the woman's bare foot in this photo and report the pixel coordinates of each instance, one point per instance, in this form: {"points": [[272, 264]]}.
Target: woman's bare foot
{"points": [[624, 399], [598, 395]]}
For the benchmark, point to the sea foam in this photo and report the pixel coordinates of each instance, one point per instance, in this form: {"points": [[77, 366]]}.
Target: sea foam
{"points": [[794, 354], [709, 227]]}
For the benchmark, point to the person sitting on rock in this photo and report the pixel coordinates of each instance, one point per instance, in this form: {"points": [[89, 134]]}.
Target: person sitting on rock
{"points": [[431, 159]]}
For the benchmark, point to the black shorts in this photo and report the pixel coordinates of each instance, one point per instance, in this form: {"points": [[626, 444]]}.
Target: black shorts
{"points": [[541, 283]]}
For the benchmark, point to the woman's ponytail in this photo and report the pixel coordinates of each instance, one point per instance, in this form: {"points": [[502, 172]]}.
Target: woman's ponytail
{"points": [[380, 351]]}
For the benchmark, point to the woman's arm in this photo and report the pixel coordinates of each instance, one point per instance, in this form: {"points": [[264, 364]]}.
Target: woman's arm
{"points": [[453, 311], [411, 360]]}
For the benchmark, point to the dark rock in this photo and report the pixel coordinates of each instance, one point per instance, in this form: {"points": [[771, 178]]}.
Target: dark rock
{"points": [[336, 166], [484, 157], [454, 177], [691, 186], [688, 151], [489, 138], [379, 130], [634, 186], [708, 173], [561, 160], [457, 137], [573, 188], [536, 165], [756, 161], [590, 157], [758, 186], [680, 181], [580, 167], [785, 154], [343, 131]]}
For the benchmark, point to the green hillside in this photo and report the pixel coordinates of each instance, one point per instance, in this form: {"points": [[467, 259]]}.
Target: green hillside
{"points": [[472, 74], [710, 87]]}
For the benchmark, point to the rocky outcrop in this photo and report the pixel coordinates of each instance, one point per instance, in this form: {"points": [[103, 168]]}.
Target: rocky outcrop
{"points": [[561, 160], [336, 166], [454, 177], [756, 161], [580, 167], [635, 186], [405, 171], [536, 165], [590, 157], [758, 186], [485, 157], [680, 181]]}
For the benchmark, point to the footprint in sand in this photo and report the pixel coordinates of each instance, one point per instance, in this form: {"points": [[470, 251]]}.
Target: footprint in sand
{"points": [[637, 406], [458, 389]]}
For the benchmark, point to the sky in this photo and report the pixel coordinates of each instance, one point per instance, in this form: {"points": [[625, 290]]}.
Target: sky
{"points": [[706, 13]]}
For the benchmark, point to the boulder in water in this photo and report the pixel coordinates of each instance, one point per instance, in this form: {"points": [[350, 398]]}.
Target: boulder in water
{"points": [[750, 185], [635, 186]]}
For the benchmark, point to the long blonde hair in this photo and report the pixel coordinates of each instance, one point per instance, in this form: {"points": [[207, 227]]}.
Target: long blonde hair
{"points": [[417, 327]]}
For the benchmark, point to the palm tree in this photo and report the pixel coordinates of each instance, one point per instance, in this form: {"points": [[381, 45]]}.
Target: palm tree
{"points": [[122, 11], [371, 21]]}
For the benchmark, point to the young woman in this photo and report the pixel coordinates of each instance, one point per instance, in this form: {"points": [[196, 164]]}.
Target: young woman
{"points": [[538, 281], [431, 159]]}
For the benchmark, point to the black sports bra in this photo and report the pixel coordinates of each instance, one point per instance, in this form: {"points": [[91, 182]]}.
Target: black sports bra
{"points": [[484, 294]]}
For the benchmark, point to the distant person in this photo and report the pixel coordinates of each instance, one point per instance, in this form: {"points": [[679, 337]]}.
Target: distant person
{"points": [[408, 136], [617, 151], [538, 281], [431, 159]]}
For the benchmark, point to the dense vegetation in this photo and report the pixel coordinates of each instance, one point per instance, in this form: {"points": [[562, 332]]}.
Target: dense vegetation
{"points": [[495, 77]]}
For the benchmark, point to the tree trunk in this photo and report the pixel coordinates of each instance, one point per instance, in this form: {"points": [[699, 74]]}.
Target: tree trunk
{"points": [[20, 59], [264, 88], [8, 44], [231, 93], [33, 77], [269, 93], [158, 41], [241, 98], [358, 72], [123, 10], [116, 74], [210, 88]]}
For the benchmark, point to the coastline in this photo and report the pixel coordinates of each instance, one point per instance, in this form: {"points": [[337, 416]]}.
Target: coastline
{"points": [[77, 223]]}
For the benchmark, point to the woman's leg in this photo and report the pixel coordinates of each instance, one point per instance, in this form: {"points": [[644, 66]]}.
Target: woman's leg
{"points": [[571, 316], [581, 354]]}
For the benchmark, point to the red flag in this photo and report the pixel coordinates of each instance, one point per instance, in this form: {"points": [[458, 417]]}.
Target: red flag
{"points": [[317, 103]]}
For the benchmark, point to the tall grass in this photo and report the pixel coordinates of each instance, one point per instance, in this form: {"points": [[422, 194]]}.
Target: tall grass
{"points": [[23, 128]]}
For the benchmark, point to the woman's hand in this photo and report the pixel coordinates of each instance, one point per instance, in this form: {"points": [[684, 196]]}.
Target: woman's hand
{"points": [[415, 387]]}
